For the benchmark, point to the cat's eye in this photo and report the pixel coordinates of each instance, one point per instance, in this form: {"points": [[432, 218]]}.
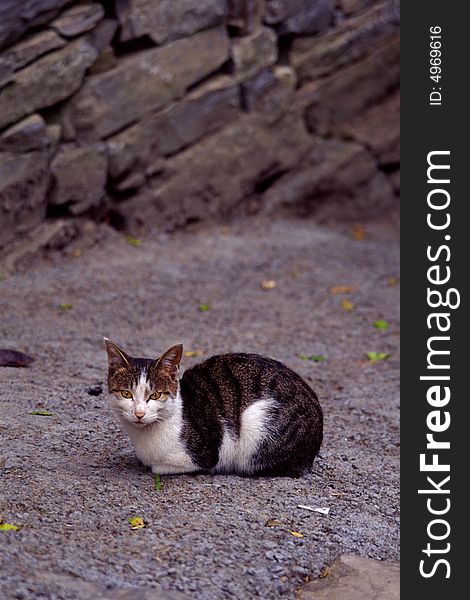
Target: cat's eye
{"points": [[155, 396], [126, 394]]}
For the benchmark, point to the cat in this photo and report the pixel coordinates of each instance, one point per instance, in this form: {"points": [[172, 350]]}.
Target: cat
{"points": [[233, 413]]}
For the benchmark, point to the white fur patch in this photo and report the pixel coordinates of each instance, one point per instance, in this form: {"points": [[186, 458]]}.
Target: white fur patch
{"points": [[158, 446], [236, 452], [141, 393]]}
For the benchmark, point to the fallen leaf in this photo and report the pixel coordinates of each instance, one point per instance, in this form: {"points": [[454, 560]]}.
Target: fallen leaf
{"points": [[41, 413], [342, 289], [338, 494], [158, 483], [392, 281], [375, 356], [204, 307], [133, 241], [14, 358], [297, 534], [8, 527], [65, 306], [313, 357], [325, 572], [192, 353], [296, 272], [358, 232], [136, 523], [347, 305], [273, 523], [268, 284], [381, 324], [77, 252]]}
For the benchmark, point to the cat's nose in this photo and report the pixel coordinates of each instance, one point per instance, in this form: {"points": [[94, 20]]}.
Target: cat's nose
{"points": [[139, 414]]}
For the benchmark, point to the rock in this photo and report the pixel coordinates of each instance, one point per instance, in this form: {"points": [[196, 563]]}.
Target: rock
{"points": [[333, 101], [54, 133], [61, 117], [318, 56], [14, 358], [212, 177], [51, 235], [167, 20], [301, 17], [102, 35], [133, 181], [339, 182], [355, 578], [101, 38], [6, 73], [350, 7], [71, 586], [372, 198], [164, 133], [271, 92], [78, 19], [51, 78], [105, 62], [379, 129], [333, 166], [94, 390], [16, 17], [79, 178], [395, 181], [246, 15], [24, 180], [28, 134], [254, 52], [146, 81], [30, 49]]}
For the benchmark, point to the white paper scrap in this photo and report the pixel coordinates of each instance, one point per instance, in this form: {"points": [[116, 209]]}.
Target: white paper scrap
{"points": [[323, 511]]}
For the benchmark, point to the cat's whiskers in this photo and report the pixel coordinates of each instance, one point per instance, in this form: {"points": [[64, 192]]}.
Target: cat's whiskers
{"points": [[153, 419]]}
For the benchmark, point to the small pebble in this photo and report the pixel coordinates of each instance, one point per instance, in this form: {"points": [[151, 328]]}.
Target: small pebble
{"points": [[94, 390]]}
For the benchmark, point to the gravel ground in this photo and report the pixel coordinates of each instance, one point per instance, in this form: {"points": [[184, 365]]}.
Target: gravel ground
{"points": [[71, 481]]}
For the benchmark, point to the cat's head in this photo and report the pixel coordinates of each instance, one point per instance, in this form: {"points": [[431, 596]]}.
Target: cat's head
{"points": [[143, 390]]}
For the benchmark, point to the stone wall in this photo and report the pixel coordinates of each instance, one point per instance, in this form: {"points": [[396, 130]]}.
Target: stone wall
{"points": [[162, 112]]}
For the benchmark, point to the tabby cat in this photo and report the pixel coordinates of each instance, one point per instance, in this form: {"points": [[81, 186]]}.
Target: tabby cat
{"points": [[233, 413]]}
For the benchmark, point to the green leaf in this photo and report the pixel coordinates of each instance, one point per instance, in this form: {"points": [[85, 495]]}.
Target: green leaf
{"points": [[375, 356], [380, 324], [41, 413], [8, 527], [313, 357], [158, 483], [136, 522], [204, 307], [133, 241], [65, 306]]}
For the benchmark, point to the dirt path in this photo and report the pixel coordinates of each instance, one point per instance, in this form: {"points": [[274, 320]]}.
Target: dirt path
{"points": [[71, 481]]}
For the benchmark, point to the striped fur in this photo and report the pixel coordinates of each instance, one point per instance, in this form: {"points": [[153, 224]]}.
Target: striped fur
{"points": [[233, 413]]}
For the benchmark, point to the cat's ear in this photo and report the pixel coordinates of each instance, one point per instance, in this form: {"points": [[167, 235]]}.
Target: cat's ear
{"points": [[169, 361], [117, 358]]}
